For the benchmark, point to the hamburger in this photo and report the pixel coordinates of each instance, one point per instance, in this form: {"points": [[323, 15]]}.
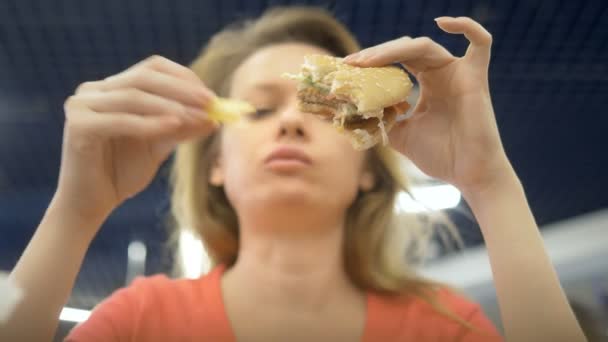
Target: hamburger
{"points": [[363, 103]]}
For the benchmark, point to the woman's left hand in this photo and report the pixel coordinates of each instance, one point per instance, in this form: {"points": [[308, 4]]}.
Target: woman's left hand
{"points": [[452, 133]]}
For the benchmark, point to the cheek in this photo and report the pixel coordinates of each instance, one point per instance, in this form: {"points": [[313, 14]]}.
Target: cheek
{"points": [[343, 175], [238, 162], [235, 151]]}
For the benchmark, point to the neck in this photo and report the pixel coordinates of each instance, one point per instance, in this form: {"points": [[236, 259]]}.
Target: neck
{"points": [[299, 266]]}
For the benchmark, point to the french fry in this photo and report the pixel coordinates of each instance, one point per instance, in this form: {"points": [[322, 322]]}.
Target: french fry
{"points": [[228, 110]]}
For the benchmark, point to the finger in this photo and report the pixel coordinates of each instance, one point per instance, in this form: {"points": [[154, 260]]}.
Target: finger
{"points": [[117, 124], [160, 84], [480, 39], [137, 102], [393, 51], [161, 128], [169, 67], [412, 69], [422, 52], [193, 123], [88, 87], [358, 57]]}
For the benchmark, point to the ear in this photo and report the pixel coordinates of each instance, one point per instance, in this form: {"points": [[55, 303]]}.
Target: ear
{"points": [[216, 176], [367, 181]]}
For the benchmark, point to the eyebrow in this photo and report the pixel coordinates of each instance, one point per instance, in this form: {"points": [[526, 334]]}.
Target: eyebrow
{"points": [[267, 86]]}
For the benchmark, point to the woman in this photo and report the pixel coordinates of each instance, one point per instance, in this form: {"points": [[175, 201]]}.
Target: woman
{"points": [[298, 223]]}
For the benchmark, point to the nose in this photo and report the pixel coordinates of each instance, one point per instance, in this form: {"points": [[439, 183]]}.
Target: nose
{"points": [[292, 124]]}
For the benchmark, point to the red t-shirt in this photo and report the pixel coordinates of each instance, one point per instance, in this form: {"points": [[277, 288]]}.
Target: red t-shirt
{"points": [[161, 309]]}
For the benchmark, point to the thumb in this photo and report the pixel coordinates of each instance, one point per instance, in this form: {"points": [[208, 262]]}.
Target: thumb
{"points": [[397, 136], [161, 150]]}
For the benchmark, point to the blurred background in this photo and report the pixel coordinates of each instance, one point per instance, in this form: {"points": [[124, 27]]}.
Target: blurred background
{"points": [[549, 83]]}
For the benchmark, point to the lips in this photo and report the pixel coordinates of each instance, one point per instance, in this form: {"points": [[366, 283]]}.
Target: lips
{"points": [[287, 157]]}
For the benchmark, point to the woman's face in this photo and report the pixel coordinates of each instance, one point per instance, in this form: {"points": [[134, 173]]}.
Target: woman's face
{"points": [[280, 157]]}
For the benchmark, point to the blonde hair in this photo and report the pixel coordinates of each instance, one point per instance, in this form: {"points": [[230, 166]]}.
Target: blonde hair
{"points": [[375, 236]]}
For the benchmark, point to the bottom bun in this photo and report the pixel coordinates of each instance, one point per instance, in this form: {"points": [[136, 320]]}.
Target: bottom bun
{"points": [[368, 135], [361, 139], [363, 133]]}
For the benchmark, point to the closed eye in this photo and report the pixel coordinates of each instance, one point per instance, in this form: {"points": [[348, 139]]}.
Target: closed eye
{"points": [[326, 118], [261, 113]]}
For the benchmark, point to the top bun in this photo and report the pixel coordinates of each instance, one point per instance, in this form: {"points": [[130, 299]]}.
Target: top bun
{"points": [[369, 89]]}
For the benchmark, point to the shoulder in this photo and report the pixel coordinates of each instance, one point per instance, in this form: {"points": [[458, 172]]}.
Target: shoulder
{"points": [[162, 290], [159, 287], [440, 318], [455, 302], [158, 290], [148, 304]]}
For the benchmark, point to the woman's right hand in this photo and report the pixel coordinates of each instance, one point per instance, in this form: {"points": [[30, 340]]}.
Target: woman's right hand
{"points": [[119, 130]]}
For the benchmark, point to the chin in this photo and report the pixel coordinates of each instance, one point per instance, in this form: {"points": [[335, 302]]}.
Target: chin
{"points": [[287, 198], [292, 194]]}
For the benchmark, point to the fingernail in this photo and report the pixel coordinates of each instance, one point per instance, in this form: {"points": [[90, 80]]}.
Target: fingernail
{"points": [[196, 112], [200, 96], [361, 58], [173, 121], [439, 19], [352, 57]]}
